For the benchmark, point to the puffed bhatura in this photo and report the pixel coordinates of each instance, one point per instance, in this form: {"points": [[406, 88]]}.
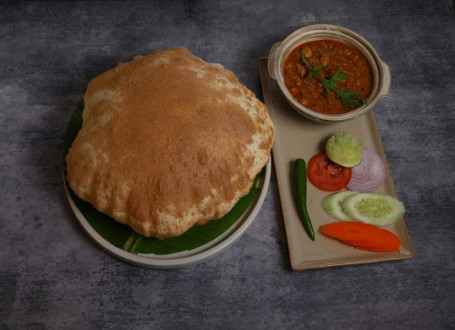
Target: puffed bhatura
{"points": [[168, 141]]}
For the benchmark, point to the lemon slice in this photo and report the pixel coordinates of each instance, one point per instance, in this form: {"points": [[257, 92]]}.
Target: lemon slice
{"points": [[372, 208], [344, 149]]}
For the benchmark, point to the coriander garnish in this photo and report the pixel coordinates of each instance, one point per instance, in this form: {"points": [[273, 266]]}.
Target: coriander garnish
{"points": [[346, 96]]}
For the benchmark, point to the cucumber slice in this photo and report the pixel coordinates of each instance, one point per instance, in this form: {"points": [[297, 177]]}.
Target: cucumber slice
{"points": [[332, 204], [344, 149], [372, 208]]}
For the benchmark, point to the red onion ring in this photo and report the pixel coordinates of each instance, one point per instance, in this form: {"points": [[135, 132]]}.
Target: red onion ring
{"points": [[370, 174]]}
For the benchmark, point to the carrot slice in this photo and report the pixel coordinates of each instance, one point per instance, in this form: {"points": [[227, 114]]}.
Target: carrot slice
{"points": [[362, 236]]}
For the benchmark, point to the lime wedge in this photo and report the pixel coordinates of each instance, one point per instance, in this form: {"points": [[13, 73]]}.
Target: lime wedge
{"points": [[344, 149]]}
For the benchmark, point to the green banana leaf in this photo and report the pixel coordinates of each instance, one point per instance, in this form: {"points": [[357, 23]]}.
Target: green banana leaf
{"points": [[125, 238]]}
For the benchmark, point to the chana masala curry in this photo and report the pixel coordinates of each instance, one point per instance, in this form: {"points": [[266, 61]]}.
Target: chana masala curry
{"points": [[311, 62]]}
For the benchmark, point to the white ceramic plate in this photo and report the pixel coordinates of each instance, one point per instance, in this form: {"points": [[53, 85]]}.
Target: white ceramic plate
{"points": [[185, 258]]}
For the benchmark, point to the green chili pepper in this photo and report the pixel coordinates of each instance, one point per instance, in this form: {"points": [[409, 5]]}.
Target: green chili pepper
{"points": [[300, 180]]}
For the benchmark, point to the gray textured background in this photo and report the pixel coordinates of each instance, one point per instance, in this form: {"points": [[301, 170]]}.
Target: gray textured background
{"points": [[52, 276]]}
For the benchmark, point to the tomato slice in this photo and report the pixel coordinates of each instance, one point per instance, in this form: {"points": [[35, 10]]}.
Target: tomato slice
{"points": [[327, 175]]}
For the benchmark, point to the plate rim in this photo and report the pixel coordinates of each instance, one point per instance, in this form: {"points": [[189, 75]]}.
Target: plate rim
{"points": [[160, 261]]}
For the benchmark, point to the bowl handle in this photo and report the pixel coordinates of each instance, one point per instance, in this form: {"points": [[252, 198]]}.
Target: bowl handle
{"points": [[386, 80], [272, 59]]}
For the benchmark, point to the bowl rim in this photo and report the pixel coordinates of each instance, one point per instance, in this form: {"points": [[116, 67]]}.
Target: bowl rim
{"points": [[381, 72]]}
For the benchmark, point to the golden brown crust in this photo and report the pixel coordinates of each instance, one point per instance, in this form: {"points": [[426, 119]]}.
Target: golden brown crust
{"points": [[168, 141]]}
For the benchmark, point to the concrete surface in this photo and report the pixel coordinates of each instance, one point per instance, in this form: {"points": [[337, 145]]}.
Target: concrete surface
{"points": [[52, 276]]}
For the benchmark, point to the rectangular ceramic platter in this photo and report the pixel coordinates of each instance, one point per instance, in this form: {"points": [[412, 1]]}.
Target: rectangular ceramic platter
{"points": [[298, 137]]}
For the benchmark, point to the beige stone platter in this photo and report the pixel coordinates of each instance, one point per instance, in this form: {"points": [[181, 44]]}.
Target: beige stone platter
{"points": [[298, 137]]}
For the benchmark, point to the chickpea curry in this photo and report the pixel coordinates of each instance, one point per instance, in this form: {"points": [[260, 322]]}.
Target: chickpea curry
{"points": [[328, 76]]}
